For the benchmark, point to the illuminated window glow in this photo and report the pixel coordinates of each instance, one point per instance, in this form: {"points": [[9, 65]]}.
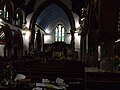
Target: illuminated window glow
{"points": [[59, 33], [5, 13], [17, 19]]}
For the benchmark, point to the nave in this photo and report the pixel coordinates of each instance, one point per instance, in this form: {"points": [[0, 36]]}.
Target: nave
{"points": [[74, 73]]}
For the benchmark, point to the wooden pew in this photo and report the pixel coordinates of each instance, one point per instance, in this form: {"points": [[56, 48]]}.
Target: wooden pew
{"points": [[73, 72], [103, 80]]}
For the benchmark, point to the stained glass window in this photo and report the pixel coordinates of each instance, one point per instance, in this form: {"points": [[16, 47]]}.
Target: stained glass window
{"points": [[59, 28], [5, 13], [17, 19], [56, 34], [59, 33], [63, 32]]}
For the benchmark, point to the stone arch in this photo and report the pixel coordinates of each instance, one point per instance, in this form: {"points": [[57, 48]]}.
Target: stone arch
{"points": [[42, 7], [38, 40], [21, 16], [8, 40], [9, 8], [17, 44]]}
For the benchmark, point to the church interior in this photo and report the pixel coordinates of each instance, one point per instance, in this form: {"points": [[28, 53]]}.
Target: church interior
{"points": [[64, 44]]}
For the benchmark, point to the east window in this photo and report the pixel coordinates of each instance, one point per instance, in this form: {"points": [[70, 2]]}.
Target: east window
{"points": [[59, 33]]}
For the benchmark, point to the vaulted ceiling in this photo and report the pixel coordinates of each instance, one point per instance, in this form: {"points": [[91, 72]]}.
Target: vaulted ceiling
{"points": [[51, 15]]}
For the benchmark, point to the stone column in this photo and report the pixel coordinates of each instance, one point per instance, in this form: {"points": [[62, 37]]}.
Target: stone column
{"points": [[81, 48], [72, 39]]}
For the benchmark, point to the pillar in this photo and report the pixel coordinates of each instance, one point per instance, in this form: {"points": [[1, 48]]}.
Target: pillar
{"points": [[72, 39]]}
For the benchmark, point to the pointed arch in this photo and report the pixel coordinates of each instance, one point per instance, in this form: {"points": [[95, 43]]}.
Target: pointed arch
{"points": [[8, 40], [8, 35], [9, 9], [42, 7], [17, 45], [47, 3], [17, 39], [19, 17]]}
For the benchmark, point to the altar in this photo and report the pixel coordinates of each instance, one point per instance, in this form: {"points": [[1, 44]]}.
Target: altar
{"points": [[60, 51]]}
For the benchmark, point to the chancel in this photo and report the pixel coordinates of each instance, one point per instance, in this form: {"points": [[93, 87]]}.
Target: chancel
{"points": [[60, 44]]}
